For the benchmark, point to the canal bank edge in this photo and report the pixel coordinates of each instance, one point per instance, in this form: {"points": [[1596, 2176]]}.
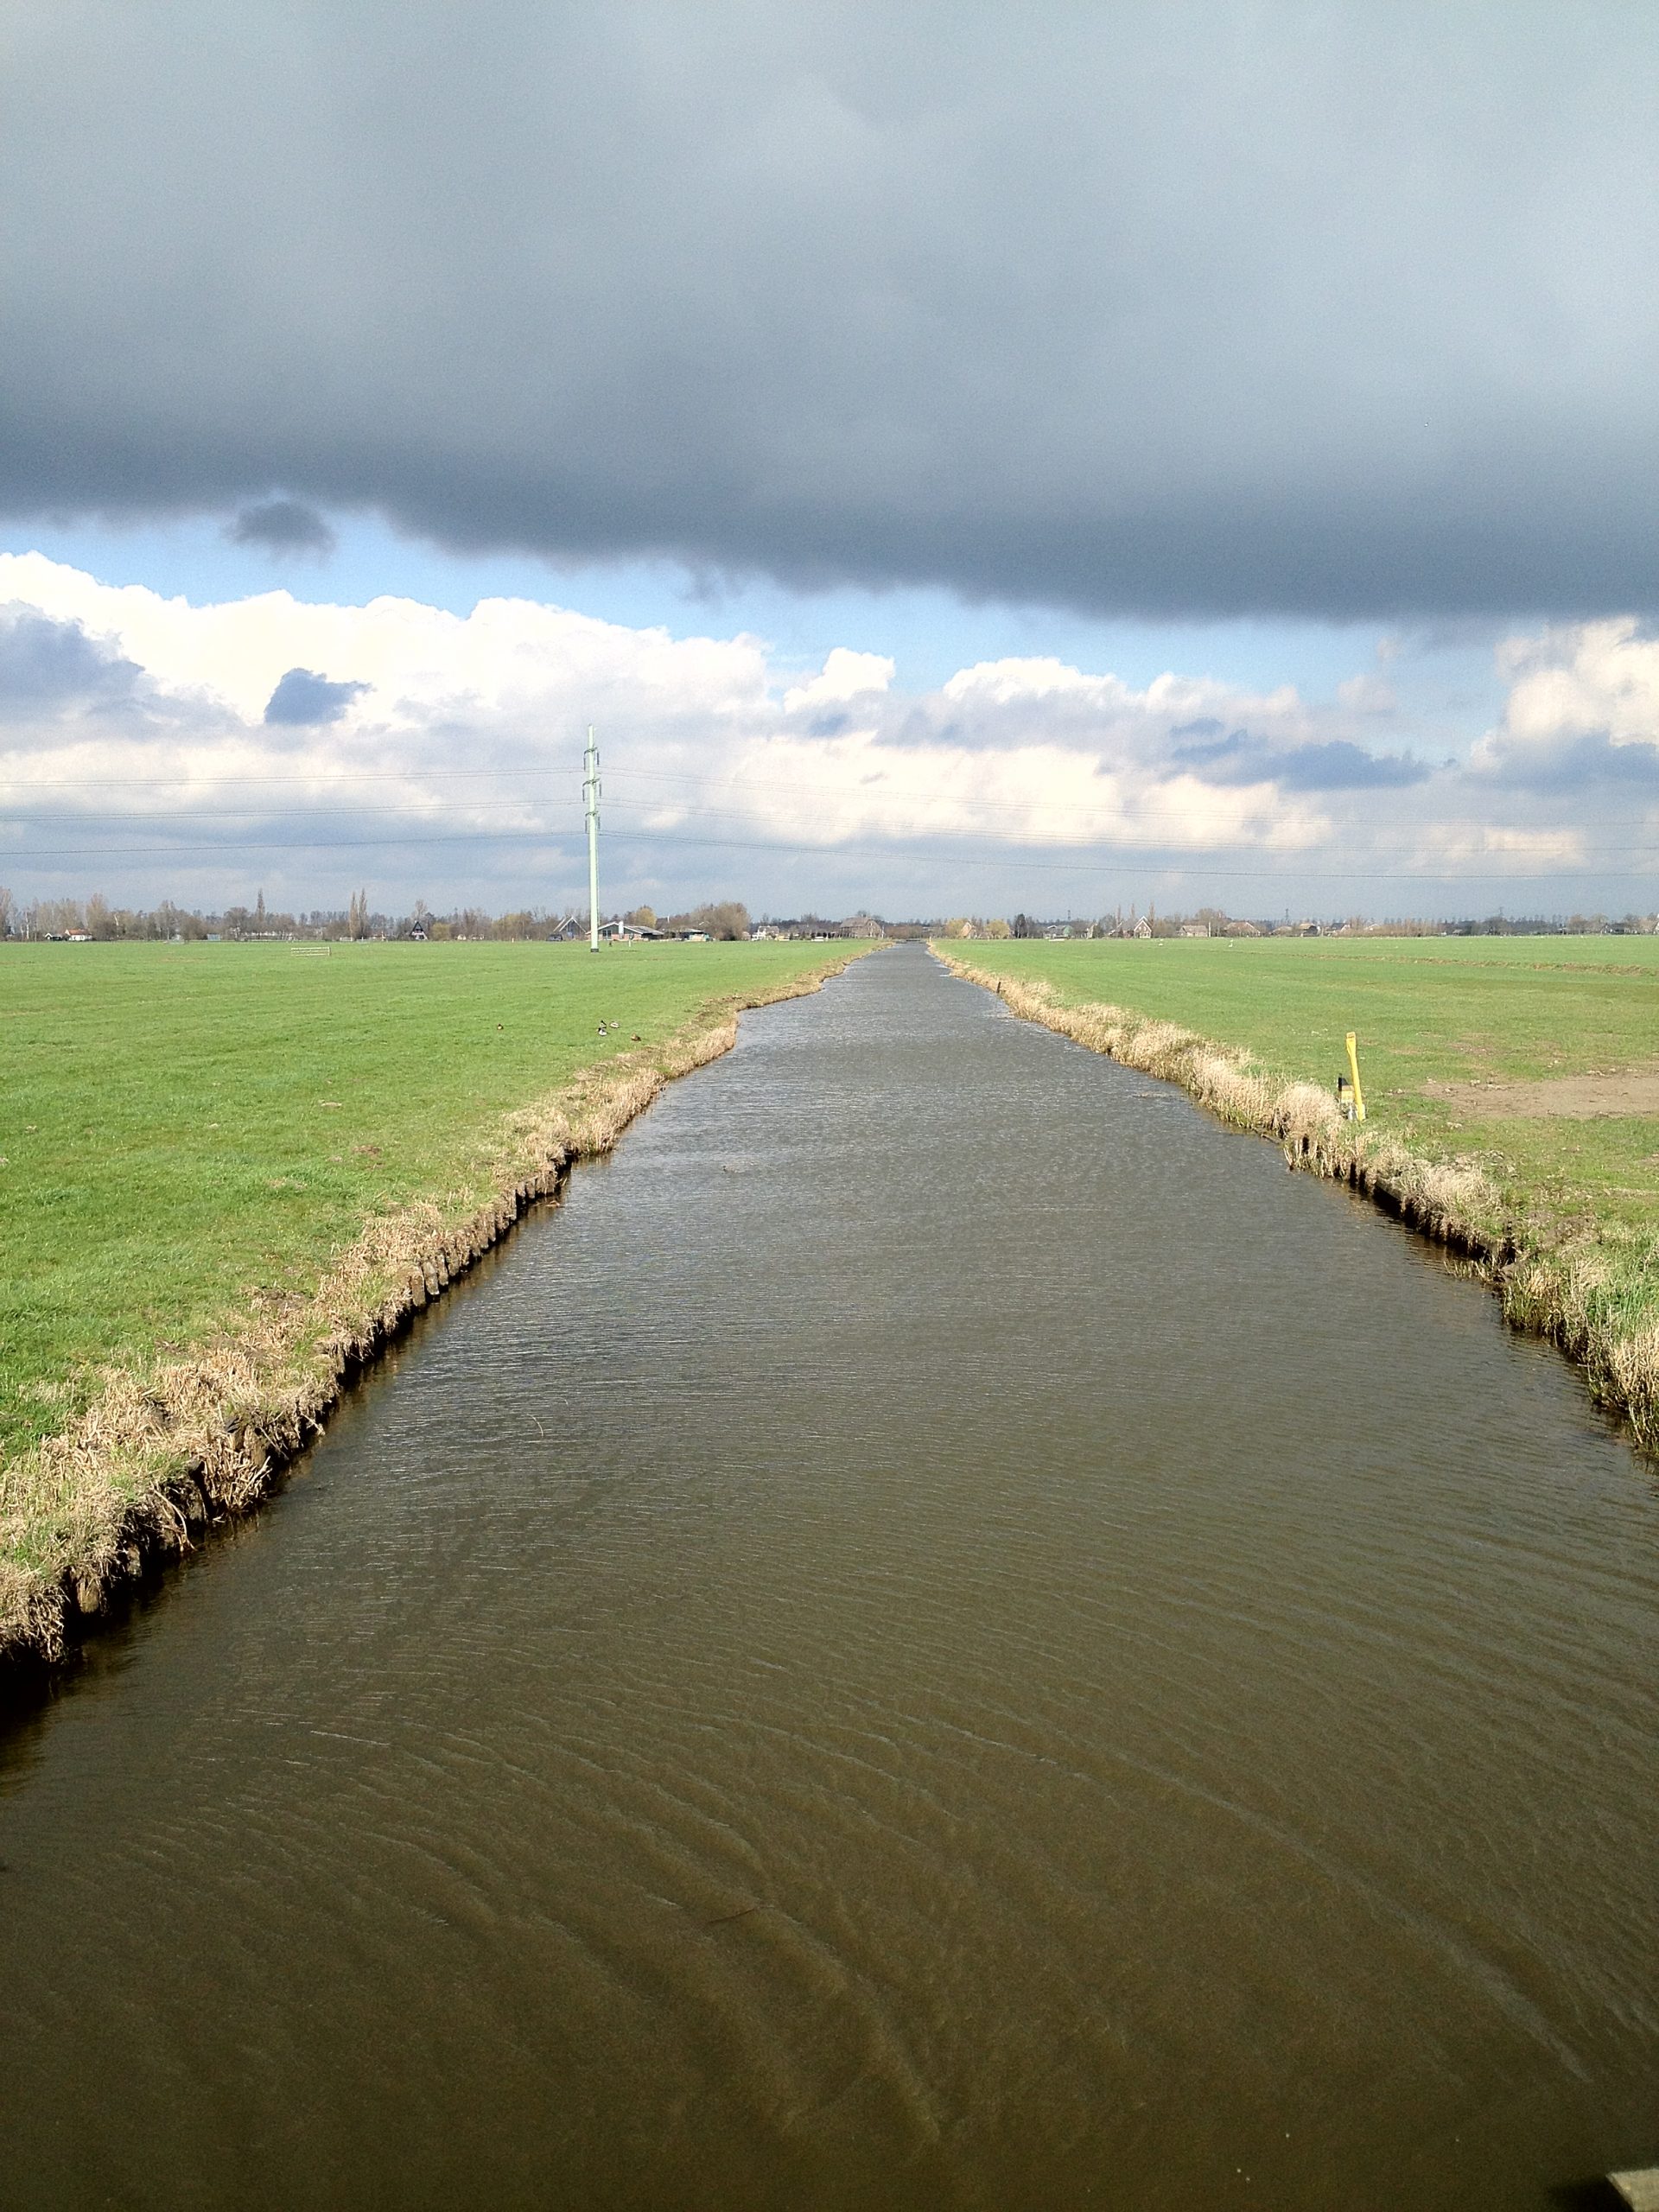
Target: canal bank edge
{"points": [[164, 1451], [1603, 1315]]}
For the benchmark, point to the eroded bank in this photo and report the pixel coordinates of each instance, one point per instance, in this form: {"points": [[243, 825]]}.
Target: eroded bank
{"points": [[170, 1446], [1601, 1312]]}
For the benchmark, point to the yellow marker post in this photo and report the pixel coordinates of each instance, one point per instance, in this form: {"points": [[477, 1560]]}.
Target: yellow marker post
{"points": [[1353, 1070]]}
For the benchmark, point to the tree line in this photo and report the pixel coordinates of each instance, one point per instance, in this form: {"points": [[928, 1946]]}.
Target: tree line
{"points": [[168, 922]]}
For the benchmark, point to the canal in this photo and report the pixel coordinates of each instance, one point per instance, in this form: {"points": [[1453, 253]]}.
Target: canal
{"points": [[942, 1634]]}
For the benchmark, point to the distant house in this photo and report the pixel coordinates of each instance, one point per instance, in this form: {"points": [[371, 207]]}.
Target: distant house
{"points": [[1195, 929], [630, 933], [418, 936], [1143, 928], [861, 925], [1240, 929]]}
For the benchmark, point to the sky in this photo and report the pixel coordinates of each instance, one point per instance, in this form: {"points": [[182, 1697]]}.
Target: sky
{"points": [[959, 459]]}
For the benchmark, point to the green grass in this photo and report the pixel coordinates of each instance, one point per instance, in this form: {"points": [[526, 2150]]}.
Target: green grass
{"points": [[1451, 1009], [184, 1125]]}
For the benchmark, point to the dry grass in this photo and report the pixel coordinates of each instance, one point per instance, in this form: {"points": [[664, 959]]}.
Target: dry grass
{"points": [[1596, 1296], [164, 1449]]}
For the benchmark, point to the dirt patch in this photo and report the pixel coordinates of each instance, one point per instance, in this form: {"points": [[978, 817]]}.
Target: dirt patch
{"points": [[1567, 1097]]}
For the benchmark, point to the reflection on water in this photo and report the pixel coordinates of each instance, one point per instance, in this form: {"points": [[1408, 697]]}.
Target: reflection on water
{"points": [[943, 1635]]}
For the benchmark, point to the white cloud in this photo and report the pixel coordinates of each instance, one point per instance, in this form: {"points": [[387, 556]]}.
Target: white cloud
{"points": [[1466, 844], [457, 761], [1579, 680], [846, 675], [1368, 694]]}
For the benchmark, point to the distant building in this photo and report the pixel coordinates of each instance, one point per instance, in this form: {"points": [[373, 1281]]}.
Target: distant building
{"points": [[1195, 929], [1143, 928], [861, 925]]}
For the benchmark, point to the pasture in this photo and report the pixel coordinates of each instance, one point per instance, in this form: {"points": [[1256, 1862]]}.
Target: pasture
{"points": [[190, 1129], [1538, 1056]]}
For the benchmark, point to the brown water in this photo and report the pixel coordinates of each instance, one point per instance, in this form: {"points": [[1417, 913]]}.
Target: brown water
{"points": [[944, 1634]]}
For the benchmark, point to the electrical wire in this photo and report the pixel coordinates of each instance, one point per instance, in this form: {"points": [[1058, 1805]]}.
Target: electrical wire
{"points": [[1017, 858]]}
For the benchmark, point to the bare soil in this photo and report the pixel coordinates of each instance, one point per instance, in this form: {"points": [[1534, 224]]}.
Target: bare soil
{"points": [[1628, 1091]]}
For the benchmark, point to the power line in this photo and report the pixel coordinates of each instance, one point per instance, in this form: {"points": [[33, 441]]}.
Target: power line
{"points": [[1014, 858], [1114, 845], [1148, 812]]}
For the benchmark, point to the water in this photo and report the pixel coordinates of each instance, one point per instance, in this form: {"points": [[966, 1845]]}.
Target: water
{"points": [[944, 1634]]}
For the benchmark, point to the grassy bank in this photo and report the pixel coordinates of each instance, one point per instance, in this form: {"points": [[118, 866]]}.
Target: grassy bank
{"points": [[229, 1170], [1512, 1088]]}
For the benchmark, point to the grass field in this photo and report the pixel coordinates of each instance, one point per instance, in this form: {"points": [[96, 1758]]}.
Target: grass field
{"points": [[190, 1127], [1532, 1062], [1457, 1011]]}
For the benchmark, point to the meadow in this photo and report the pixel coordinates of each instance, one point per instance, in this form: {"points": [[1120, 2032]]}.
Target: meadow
{"points": [[226, 1171], [187, 1126], [1467, 1013], [1511, 1087]]}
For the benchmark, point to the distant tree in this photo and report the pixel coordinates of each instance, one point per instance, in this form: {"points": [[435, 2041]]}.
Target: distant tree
{"points": [[100, 923], [5, 912], [998, 929], [728, 919], [357, 921], [642, 917]]}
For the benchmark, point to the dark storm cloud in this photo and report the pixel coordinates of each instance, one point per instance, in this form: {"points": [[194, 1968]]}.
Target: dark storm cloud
{"points": [[1195, 310], [1333, 765], [47, 666], [304, 699], [281, 526]]}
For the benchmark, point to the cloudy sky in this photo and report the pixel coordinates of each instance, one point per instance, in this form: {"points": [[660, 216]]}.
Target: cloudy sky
{"points": [[961, 458]]}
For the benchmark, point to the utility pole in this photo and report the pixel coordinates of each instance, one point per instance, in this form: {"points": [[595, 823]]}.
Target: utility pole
{"points": [[591, 796]]}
